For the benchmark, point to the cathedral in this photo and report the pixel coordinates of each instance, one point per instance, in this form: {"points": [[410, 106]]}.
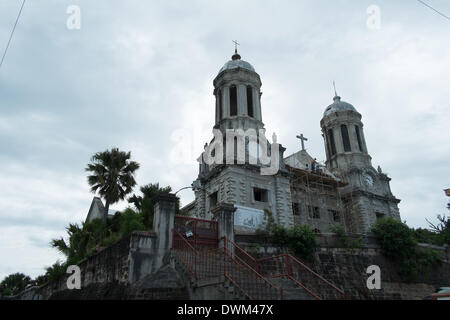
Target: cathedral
{"points": [[346, 190]]}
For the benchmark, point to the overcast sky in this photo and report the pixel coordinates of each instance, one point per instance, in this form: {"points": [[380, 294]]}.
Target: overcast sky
{"points": [[138, 75]]}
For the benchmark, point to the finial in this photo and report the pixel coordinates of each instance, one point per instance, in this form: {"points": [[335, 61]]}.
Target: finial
{"points": [[236, 55], [336, 97]]}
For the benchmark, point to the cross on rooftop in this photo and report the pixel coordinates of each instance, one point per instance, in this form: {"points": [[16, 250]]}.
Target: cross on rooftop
{"points": [[235, 45], [303, 139]]}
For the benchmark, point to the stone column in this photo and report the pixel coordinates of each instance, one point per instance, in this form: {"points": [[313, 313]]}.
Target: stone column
{"points": [[223, 213], [242, 99], [163, 223], [338, 139], [256, 106], [217, 95], [226, 102]]}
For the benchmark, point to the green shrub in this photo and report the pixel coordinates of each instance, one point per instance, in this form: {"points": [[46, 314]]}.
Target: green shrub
{"points": [[302, 240], [345, 240], [399, 243], [131, 221], [396, 239]]}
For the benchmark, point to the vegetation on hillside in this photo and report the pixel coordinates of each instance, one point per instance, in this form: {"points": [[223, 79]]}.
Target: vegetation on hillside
{"points": [[111, 175], [301, 240], [399, 244]]}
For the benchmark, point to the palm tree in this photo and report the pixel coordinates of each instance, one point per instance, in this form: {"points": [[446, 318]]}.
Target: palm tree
{"points": [[112, 175], [145, 204]]}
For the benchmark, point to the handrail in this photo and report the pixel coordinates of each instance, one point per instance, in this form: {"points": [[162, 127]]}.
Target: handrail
{"points": [[237, 259], [232, 269], [285, 260], [317, 275], [249, 267], [246, 254], [303, 266], [304, 287], [184, 240], [193, 269]]}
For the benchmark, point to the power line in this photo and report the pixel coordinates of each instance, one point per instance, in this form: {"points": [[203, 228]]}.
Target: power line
{"points": [[12, 32], [438, 12]]}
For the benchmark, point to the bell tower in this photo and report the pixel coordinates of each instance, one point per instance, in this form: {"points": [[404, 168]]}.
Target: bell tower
{"points": [[368, 196], [242, 178], [237, 89]]}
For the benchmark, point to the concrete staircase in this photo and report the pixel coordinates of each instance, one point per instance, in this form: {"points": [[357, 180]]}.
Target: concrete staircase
{"points": [[228, 277], [291, 290]]}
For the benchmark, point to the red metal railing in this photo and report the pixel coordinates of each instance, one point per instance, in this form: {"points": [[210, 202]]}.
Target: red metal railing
{"points": [[239, 270], [223, 261], [198, 232], [195, 241], [185, 252], [285, 265]]}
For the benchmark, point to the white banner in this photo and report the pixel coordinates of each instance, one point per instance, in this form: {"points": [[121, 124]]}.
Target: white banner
{"points": [[248, 217]]}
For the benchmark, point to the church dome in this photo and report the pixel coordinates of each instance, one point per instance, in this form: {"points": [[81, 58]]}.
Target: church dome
{"points": [[235, 63], [338, 106]]}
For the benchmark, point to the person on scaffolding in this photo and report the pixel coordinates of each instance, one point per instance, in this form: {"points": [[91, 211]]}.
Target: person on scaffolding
{"points": [[314, 165]]}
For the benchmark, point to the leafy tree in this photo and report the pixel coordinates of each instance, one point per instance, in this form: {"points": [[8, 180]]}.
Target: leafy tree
{"points": [[442, 229], [14, 284], [82, 240], [145, 204], [427, 236], [399, 243], [131, 221], [396, 238], [112, 175], [40, 280], [55, 271]]}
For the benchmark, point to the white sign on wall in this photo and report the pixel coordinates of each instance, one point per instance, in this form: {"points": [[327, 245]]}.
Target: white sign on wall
{"points": [[248, 217]]}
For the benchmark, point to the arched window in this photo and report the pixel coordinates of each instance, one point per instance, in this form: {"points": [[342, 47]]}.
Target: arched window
{"points": [[233, 101], [345, 138], [219, 96], [250, 101], [358, 136], [331, 142]]}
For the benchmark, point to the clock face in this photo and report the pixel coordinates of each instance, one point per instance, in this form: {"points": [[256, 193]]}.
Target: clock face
{"points": [[368, 180]]}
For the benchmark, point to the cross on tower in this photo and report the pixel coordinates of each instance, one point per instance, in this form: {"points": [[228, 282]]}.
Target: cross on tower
{"points": [[235, 45], [303, 139]]}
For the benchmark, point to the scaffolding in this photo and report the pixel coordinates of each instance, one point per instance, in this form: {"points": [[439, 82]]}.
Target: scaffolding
{"points": [[324, 191]]}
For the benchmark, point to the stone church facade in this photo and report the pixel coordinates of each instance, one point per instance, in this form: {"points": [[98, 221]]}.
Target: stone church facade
{"points": [[345, 191]]}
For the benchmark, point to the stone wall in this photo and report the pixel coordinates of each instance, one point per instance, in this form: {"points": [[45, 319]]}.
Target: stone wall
{"points": [[109, 265], [347, 268]]}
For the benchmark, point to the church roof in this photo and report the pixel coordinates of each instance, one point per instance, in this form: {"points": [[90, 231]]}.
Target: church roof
{"points": [[337, 106], [236, 62]]}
